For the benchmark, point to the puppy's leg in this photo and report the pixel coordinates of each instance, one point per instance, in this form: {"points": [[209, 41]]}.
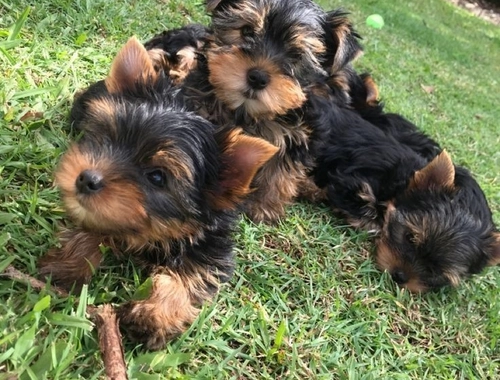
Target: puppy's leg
{"points": [[276, 186], [171, 307], [310, 192], [74, 262]]}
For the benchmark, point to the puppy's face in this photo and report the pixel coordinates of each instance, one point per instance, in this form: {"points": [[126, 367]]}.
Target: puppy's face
{"points": [[250, 84], [138, 168], [290, 30], [432, 237], [145, 167], [175, 51], [268, 51]]}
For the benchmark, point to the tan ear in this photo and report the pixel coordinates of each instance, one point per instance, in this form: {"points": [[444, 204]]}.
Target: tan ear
{"points": [[372, 94], [132, 64], [495, 250], [342, 41], [438, 174], [242, 156]]}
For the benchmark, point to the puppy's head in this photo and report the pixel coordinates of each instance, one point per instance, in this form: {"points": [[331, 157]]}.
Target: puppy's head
{"points": [[269, 51], [439, 231], [147, 168]]}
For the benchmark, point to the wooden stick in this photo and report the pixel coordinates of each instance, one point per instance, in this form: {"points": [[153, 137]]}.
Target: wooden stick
{"points": [[110, 343], [110, 340], [14, 274]]}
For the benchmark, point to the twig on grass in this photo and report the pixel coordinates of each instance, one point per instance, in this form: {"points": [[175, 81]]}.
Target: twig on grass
{"points": [[36, 284], [110, 342]]}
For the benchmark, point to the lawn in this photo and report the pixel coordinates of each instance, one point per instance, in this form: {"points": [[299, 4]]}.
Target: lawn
{"points": [[306, 300]]}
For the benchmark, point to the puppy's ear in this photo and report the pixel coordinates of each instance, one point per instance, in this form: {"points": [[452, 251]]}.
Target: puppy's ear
{"points": [[495, 250], [363, 91], [241, 157], [372, 94], [212, 5], [438, 174], [342, 41], [131, 65]]}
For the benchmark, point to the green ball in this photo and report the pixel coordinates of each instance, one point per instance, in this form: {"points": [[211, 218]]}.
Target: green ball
{"points": [[375, 21]]}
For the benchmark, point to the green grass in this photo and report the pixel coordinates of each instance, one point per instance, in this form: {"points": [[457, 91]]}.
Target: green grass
{"points": [[306, 301]]}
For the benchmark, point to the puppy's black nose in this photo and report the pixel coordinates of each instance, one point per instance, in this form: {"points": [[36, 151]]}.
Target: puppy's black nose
{"points": [[257, 79], [89, 182], [399, 277]]}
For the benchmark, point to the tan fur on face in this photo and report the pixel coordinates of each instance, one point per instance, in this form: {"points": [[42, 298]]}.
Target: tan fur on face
{"points": [[187, 62], [390, 209], [101, 117], [388, 260], [231, 37], [228, 75], [102, 111], [414, 286], [159, 60], [175, 161], [419, 229], [171, 307], [119, 205], [247, 14]]}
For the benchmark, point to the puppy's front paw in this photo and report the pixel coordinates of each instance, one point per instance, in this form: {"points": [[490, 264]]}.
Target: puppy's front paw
{"points": [[165, 314], [152, 324]]}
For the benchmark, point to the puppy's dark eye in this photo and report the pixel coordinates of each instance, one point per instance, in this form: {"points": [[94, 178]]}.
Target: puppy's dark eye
{"points": [[157, 177], [247, 31]]}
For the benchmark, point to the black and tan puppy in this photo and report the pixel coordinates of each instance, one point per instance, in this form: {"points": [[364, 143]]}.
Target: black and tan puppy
{"points": [[157, 183], [254, 74], [176, 51], [434, 222]]}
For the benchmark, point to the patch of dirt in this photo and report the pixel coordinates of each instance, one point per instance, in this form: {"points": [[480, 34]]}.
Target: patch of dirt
{"points": [[488, 10]]}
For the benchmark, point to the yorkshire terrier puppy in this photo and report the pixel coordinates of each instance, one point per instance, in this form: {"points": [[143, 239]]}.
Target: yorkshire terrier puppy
{"points": [[263, 56], [176, 51], [434, 222], [155, 182]]}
